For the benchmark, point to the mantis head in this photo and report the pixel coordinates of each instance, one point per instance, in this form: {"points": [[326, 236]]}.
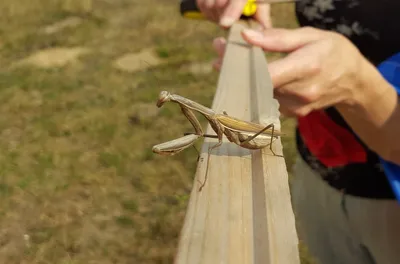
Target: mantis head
{"points": [[163, 97]]}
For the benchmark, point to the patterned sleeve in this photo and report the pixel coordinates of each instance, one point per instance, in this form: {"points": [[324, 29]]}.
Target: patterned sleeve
{"points": [[390, 69]]}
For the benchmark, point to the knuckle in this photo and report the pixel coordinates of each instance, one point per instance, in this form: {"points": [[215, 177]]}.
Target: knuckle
{"points": [[314, 67], [313, 94], [301, 112]]}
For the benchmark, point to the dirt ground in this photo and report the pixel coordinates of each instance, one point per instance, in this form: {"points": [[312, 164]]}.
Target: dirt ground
{"points": [[78, 180]]}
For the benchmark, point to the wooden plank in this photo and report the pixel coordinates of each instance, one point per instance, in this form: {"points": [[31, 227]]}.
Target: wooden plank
{"points": [[282, 236], [243, 214]]}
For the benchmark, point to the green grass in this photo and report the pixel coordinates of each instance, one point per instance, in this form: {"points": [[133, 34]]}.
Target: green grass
{"points": [[78, 180]]}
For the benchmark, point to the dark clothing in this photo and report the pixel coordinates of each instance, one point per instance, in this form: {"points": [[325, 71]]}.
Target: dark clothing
{"points": [[374, 27]]}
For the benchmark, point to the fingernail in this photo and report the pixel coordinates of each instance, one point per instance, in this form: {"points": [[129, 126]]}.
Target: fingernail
{"points": [[227, 21], [253, 34]]}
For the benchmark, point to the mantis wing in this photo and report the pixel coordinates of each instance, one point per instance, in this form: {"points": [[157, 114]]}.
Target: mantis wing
{"points": [[238, 125]]}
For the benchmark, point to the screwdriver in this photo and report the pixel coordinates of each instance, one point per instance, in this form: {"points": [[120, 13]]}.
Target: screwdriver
{"points": [[189, 9]]}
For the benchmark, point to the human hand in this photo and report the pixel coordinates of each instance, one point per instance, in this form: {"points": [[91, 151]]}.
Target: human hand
{"points": [[226, 12], [321, 69]]}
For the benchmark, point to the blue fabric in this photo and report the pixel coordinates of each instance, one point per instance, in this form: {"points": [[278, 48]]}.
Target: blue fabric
{"points": [[390, 69]]}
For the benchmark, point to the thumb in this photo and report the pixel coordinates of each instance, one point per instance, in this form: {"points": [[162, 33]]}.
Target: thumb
{"points": [[282, 40], [232, 12]]}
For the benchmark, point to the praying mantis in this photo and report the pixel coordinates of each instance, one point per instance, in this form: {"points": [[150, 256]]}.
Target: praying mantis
{"points": [[245, 134]]}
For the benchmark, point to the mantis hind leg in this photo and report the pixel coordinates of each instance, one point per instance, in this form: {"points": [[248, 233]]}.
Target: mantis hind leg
{"points": [[261, 131], [270, 144]]}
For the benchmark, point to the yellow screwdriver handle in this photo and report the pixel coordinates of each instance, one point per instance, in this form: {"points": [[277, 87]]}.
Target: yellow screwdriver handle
{"points": [[250, 8], [189, 9]]}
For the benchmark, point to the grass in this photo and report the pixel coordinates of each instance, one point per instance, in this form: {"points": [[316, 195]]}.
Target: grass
{"points": [[78, 180]]}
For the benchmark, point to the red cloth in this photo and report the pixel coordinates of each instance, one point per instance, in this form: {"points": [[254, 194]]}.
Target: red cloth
{"points": [[332, 144]]}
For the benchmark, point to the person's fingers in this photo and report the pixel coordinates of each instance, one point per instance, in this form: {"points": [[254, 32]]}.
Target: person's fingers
{"points": [[221, 3], [292, 68], [219, 44], [335, 97], [215, 14], [201, 4], [209, 4], [232, 12], [212, 10], [291, 106], [305, 90], [287, 104], [206, 7], [300, 98], [217, 64], [263, 15], [282, 40]]}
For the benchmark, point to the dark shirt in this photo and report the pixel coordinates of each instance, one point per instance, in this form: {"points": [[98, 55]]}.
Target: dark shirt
{"points": [[374, 27]]}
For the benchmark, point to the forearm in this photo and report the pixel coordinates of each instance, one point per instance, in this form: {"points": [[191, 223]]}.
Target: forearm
{"points": [[375, 117]]}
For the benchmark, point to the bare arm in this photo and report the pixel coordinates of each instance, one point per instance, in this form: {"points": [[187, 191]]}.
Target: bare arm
{"points": [[375, 116]]}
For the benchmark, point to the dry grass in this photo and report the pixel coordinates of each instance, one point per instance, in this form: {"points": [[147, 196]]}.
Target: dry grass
{"points": [[78, 180]]}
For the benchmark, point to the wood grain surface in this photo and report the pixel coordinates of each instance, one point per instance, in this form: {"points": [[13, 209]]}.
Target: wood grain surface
{"points": [[243, 215]]}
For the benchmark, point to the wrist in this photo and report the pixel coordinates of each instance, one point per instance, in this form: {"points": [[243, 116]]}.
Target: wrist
{"points": [[371, 96]]}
